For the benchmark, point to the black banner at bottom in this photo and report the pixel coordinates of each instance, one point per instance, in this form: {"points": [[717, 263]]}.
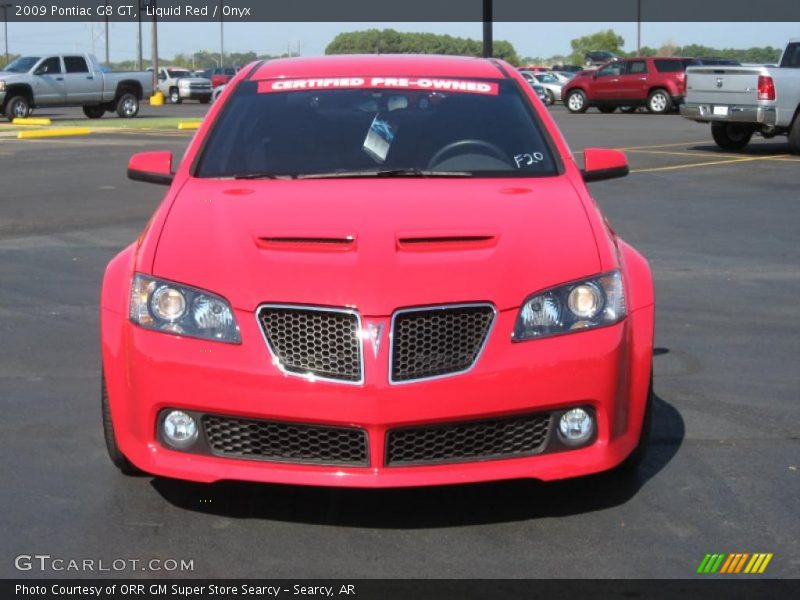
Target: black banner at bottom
{"points": [[415, 589]]}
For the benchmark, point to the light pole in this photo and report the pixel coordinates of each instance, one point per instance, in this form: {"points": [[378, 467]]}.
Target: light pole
{"points": [[154, 46], [108, 61], [221, 38], [638, 26], [487, 29], [5, 8], [139, 65]]}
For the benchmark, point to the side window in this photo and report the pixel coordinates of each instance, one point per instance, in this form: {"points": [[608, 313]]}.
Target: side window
{"points": [[637, 67], [668, 65], [162, 75], [791, 58], [50, 66], [610, 69], [75, 64]]}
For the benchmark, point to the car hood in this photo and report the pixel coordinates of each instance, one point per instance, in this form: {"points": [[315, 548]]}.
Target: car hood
{"points": [[376, 244], [8, 76]]}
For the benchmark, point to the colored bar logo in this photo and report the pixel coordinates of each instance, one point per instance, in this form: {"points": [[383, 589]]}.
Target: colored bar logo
{"points": [[737, 563]]}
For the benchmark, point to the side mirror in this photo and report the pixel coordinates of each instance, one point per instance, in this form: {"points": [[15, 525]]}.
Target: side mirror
{"points": [[151, 167], [600, 164]]}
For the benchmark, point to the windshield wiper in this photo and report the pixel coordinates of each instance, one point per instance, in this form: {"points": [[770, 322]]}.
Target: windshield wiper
{"points": [[409, 172], [260, 176]]}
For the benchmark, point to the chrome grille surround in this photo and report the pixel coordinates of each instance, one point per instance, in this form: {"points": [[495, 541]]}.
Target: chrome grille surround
{"points": [[321, 364], [484, 310]]}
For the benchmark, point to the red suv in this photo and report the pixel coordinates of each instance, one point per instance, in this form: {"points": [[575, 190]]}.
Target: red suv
{"points": [[221, 76], [657, 83]]}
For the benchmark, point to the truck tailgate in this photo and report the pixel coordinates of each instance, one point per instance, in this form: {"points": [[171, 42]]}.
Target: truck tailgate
{"points": [[723, 85]]}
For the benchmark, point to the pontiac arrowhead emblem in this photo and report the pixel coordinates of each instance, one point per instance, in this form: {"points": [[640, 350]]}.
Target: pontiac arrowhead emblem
{"points": [[374, 335]]}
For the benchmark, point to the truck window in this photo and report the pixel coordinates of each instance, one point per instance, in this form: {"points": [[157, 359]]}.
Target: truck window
{"points": [[75, 64], [668, 65], [791, 58], [50, 66], [636, 67]]}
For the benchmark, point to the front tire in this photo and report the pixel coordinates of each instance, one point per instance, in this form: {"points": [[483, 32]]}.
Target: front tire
{"points": [[659, 102], [117, 457], [174, 96], [551, 97], [636, 457], [127, 105], [17, 107], [94, 112], [731, 137], [576, 102]]}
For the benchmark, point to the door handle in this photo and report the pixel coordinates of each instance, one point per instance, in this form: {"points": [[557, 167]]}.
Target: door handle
{"points": [[642, 78], [59, 79], [89, 77]]}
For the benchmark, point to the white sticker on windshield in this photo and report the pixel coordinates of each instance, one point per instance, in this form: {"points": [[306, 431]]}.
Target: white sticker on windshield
{"points": [[528, 158], [379, 139]]}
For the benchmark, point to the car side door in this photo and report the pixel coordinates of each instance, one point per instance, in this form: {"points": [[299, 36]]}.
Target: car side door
{"points": [[633, 82], [80, 82], [48, 82], [606, 81]]}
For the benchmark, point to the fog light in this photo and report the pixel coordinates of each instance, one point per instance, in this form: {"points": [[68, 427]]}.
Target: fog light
{"points": [[575, 427], [180, 429]]}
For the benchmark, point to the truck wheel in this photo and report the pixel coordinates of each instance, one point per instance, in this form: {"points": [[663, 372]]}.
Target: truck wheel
{"points": [[794, 136], [731, 137], [576, 102], [606, 110], [94, 112], [114, 453], [659, 102], [17, 107], [174, 96], [127, 105]]}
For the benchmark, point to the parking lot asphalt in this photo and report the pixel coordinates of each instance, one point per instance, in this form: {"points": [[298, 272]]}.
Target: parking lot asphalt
{"points": [[721, 232]]}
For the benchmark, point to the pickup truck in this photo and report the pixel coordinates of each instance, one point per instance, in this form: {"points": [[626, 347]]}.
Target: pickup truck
{"points": [[70, 80], [742, 101], [178, 84]]}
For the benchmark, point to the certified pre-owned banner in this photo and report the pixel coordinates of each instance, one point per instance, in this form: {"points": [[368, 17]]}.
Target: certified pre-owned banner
{"points": [[406, 10]]}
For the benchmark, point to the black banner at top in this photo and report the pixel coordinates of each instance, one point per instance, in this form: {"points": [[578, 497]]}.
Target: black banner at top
{"points": [[245, 11]]}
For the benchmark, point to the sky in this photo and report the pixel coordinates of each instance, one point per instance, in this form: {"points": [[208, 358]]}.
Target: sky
{"points": [[529, 39]]}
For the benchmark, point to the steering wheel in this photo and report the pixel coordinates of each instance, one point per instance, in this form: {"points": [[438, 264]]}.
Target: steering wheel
{"points": [[493, 150]]}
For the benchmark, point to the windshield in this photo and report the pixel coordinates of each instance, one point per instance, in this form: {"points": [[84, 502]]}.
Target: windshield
{"points": [[546, 78], [487, 128], [22, 65], [174, 73]]}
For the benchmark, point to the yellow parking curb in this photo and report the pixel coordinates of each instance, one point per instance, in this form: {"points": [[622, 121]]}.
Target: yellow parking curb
{"points": [[189, 125], [40, 133], [32, 121]]}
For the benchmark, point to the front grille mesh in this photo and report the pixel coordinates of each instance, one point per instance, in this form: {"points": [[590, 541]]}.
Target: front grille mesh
{"points": [[468, 441], [285, 442], [323, 343], [438, 341]]}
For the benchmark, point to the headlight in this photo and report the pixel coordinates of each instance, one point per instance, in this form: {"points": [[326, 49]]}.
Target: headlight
{"points": [[178, 309], [2, 86], [184, 83], [572, 307]]}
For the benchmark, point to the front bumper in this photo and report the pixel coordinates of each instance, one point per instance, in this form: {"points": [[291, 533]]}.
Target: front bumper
{"points": [[704, 113], [606, 369], [194, 94]]}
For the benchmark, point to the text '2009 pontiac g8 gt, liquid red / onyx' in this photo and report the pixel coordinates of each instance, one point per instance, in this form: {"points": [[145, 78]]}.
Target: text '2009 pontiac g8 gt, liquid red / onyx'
{"points": [[377, 271]]}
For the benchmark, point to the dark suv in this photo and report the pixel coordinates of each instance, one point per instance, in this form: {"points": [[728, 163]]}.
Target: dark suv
{"points": [[656, 83]]}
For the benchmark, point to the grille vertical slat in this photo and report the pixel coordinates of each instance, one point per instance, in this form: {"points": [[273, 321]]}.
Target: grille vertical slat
{"points": [[435, 342], [319, 342], [468, 441], [285, 442]]}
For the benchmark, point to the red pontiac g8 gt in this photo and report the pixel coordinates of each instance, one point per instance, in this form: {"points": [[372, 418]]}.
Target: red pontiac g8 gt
{"points": [[377, 272]]}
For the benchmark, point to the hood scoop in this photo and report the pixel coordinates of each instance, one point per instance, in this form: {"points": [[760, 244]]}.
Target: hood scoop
{"points": [[308, 243], [444, 241]]}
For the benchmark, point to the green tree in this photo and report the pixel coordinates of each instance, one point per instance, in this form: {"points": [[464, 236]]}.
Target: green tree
{"points": [[606, 40], [389, 41]]}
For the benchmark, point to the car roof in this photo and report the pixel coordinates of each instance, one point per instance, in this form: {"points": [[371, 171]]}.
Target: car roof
{"points": [[399, 65]]}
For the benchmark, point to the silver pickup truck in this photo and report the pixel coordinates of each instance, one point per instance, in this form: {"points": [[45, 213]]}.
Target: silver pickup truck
{"points": [[179, 84], [70, 80], [742, 101]]}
